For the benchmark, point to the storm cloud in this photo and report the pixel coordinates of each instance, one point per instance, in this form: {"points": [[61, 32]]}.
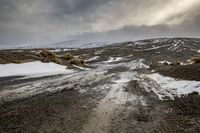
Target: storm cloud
{"points": [[41, 21]]}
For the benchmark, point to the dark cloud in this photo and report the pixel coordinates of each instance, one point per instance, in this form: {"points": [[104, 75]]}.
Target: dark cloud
{"points": [[78, 6], [132, 33], [42, 21]]}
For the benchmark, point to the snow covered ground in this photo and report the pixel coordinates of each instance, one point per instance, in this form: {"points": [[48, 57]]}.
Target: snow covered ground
{"points": [[114, 59], [164, 87], [32, 68], [164, 61], [93, 58], [170, 87]]}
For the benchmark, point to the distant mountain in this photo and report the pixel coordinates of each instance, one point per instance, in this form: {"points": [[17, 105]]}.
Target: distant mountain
{"points": [[164, 45], [75, 44], [172, 44]]}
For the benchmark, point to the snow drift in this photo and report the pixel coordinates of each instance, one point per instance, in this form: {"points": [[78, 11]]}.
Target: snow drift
{"points": [[32, 68]]}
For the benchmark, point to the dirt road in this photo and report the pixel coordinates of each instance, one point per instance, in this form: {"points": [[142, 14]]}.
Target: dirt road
{"points": [[111, 97]]}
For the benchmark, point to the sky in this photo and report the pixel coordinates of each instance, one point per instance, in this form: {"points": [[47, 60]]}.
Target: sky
{"points": [[45, 21]]}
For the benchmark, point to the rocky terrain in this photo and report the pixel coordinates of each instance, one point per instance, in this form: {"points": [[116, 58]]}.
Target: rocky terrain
{"points": [[145, 86]]}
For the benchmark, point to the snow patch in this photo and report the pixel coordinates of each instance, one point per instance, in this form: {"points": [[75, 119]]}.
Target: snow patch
{"points": [[114, 59], [137, 64], [153, 48], [163, 62], [131, 44], [99, 52], [56, 50], [117, 95], [173, 87], [17, 51], [126, 77], [93, 59], [82, 68], [32, 68], [69, 49]]}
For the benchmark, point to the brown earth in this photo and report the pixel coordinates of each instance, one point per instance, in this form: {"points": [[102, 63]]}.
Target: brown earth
{"points": [[64, 111], [186, 72], [68, 111], [17, 57], [184, 116]]}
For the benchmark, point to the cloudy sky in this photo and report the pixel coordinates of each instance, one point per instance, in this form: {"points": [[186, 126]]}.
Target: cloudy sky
{"points": [[42, 21]]}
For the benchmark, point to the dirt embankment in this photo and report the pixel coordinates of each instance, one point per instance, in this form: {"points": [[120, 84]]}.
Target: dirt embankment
{"points": [[17, 57], [184, 115], [43, 55], [186, 72]]}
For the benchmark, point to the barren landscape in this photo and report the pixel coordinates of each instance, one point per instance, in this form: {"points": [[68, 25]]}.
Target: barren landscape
{"points": [[144, 86]]}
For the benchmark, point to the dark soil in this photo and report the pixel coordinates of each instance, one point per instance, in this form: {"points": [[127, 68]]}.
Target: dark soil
{"points": [[184, 115], [17, 57], [63, 111], [186, 72]]}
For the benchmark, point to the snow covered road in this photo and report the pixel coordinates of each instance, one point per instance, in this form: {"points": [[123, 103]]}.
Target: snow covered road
{"points": [[163, 87]]}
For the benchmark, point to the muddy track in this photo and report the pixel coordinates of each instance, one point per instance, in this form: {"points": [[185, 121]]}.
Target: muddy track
{"points": [[144, 115], [125, 97]]}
